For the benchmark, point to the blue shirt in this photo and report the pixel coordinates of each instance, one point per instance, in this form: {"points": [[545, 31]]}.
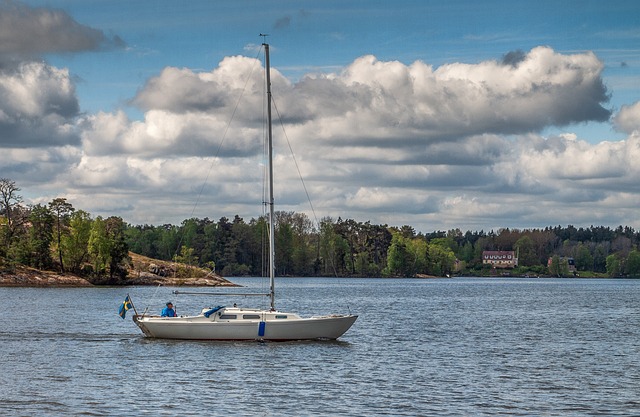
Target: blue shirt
{"points": [[168, 312]]}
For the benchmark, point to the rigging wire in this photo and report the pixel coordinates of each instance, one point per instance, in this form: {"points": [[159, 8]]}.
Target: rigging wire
{"points": [[304, 186], [295, 161], [219, 148], [153, 299]]}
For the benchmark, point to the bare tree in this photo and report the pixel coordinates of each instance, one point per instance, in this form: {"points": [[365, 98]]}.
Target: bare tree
{"points": [[10, 200]]}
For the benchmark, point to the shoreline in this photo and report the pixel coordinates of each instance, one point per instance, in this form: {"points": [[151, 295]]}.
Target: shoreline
{"points": [[29, 277], [35, 278]]}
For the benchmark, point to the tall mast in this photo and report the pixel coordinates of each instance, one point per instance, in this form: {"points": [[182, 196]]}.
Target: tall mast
{"points": [[272, 251]]}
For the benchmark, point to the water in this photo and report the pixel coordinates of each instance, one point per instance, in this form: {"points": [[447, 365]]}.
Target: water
{"points": [[420, 348]]}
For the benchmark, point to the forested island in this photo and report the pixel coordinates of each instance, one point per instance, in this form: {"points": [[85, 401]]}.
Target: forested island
{"points": [[57, 245], [60, 238], [347, 248]]}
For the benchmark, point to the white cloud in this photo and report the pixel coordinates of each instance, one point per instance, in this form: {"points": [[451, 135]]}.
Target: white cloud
{"points": [[370, 104], [392, 143], [181, 90], [38, 106], [545, 88], [628, 119], [37, 166]]}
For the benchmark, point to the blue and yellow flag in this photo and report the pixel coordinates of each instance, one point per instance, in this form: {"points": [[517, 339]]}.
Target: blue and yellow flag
{"points": [[126, 305]]}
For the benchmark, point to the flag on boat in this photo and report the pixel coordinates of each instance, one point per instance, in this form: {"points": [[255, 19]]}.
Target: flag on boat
{"points": [[126, 305]]}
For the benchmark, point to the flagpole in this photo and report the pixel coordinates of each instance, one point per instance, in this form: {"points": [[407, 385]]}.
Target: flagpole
{"points": [[132, 305]]}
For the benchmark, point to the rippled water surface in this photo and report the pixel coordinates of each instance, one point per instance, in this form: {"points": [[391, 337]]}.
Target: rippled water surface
{"points": [[419, 348]]}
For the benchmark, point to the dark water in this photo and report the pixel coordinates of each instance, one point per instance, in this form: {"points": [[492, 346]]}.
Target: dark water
{"points": [[455, 347]]}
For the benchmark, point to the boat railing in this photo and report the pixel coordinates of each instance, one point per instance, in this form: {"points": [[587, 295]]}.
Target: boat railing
{"points": [[243, 294]]}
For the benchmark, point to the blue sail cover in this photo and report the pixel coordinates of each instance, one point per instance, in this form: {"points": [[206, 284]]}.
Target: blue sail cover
{"points": [[213, 310]]}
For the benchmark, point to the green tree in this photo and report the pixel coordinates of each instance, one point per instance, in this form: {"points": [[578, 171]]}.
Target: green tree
{"points": [[304, 252], [406, 256], [187, 256], [368, 245], [559, 266], [633, 263], [564, 267], [583, 258], [223, 252], [399, 257], [61, 211], [600, 257], [349, 230], [418, 249], [144, 240], [446, 242], [189, 232], [99, 245], [247, 251], [285, 247], [108, 248], [407, 231], [40, 237], [334, 249], [75, 244], [208, 255], [363, 264], [118, 249], [467, 252], [554, 267], [613, 266], [526, 251], [168, 242], [441, 259]]}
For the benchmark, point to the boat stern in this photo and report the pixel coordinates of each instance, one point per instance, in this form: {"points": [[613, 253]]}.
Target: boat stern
{"points": [[137, 319]]}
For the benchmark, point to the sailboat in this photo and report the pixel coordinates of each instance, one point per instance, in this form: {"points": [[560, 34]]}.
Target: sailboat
{"points": [[236, 323]]}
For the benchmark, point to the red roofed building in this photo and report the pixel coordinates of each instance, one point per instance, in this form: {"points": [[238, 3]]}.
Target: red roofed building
{"points": [[500, 258]]}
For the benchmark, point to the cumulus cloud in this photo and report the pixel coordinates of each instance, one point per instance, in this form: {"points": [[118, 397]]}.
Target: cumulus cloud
{"points": [[40, 117], [381, 141], [35, 166], [374, 104], [38, 106], [539, 89], [628, 119], [28, 32], [181, 90]]}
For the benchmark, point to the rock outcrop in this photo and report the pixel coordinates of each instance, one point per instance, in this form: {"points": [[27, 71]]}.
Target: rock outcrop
{"points": [[28, 277], [142, 271]]}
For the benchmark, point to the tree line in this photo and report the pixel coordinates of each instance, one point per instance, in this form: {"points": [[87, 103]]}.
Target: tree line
{"points": [[57, 236], [351, 248]]}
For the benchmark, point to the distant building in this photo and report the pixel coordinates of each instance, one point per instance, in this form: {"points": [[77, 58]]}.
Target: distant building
{"points": [[500, 258], [571, 263]]}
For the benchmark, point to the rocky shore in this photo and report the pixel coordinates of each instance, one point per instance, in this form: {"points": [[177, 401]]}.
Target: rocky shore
{"points": [[29, 277], [142, 271]]}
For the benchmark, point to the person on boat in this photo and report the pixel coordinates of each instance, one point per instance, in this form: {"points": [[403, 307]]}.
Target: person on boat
{"points": [[168, 311]]}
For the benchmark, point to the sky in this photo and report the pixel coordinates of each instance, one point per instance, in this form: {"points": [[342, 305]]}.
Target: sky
{"points": [[433, 114]]}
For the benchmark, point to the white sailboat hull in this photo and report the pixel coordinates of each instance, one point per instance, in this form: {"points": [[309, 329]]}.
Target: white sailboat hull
{"points": [[271, 325]]}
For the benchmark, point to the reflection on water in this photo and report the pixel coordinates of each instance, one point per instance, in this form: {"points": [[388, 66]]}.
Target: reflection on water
{"points": [[420, 347]]}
